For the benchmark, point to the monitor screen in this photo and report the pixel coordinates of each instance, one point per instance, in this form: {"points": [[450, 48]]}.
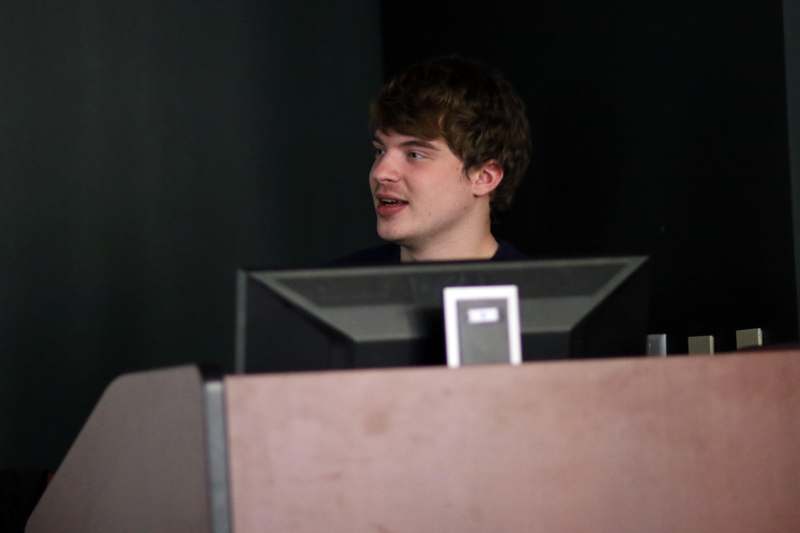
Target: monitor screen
{"points": [[362, 317]]}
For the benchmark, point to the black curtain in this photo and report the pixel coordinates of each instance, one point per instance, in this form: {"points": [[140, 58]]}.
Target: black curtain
{"points": [[147, 151], [659, 129]]}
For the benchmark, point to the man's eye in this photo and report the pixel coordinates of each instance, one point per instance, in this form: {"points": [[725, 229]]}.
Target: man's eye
{"points": [[416, 155], [378, 151]]}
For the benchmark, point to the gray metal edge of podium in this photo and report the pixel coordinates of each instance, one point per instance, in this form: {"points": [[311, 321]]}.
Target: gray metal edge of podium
{"points": [[216, 453]]}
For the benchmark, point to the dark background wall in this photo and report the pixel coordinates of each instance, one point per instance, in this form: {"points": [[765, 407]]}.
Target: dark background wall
{"points": [[147, 151], [791, 26], [659, 129]]}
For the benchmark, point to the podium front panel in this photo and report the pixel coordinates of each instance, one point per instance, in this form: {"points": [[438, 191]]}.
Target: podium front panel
{"points": [[659, 445]]}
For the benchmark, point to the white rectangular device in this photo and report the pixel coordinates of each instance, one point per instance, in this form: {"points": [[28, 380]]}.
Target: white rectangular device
{"points": [[482, 325]]}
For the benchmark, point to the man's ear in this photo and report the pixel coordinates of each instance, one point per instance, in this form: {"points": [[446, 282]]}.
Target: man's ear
{"points": [[486, 178]]}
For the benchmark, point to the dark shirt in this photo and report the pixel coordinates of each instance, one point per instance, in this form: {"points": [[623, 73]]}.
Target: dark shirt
{"points": [[389, 254]]}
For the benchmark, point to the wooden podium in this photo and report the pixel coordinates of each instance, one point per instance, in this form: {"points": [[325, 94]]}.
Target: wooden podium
{"points": [[683, 444]]}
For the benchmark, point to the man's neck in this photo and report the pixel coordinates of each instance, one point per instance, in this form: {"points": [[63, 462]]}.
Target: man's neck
{"points": [[483, 248]]}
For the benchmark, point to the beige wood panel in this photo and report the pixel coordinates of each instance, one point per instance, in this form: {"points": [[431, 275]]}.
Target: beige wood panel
{"points": [[679, 444], [138, 464]]}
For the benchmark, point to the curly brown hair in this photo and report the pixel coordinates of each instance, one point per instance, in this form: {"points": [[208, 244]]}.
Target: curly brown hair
{"points": [[472, 107]]}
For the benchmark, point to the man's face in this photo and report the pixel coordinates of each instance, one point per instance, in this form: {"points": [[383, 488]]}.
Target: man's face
{"points": [[420, 193]]}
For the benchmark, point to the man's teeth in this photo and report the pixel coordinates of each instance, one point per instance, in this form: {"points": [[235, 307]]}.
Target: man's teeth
{"points": [[390, 201]]}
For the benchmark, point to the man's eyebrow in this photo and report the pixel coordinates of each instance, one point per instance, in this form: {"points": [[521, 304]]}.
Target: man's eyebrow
{"points": [[419, 143]]}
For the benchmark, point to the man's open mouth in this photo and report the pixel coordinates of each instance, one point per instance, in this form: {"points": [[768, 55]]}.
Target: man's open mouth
{"points": [[391, 201], [388, 207]]}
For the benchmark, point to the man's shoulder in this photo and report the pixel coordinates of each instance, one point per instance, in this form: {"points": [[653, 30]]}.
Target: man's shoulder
{"points": [[507, 252], [384, 254]]}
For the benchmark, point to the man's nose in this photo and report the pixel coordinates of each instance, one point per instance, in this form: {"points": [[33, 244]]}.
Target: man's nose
{"points": [[384, 170]]}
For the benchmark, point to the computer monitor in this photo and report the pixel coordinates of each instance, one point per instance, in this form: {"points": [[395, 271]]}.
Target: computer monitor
{"points": [[387, 316]]}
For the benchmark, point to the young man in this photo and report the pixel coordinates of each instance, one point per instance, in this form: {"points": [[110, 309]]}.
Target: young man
{"points": [[451, 145]]}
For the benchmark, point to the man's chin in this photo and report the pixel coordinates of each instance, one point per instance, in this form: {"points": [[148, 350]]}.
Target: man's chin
{"points": [[391, 235], [392, 239]]}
